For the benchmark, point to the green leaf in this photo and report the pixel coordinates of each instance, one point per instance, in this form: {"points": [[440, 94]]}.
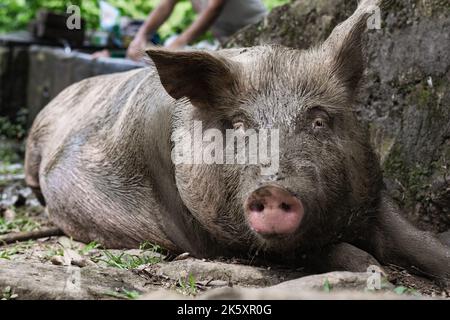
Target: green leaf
{"points": [[90, 246], [124, 294], [327, 285], [400, 290]]}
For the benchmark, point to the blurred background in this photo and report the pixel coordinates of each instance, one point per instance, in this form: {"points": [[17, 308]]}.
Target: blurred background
{"points": [[17, 14]]}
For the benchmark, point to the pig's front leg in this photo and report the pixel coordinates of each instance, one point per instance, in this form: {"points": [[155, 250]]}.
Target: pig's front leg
{"points": [[341, 257], [393, 240]]}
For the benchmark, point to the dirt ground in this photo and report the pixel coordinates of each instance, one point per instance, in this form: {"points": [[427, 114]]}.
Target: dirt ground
{"points": [[128, 274]]}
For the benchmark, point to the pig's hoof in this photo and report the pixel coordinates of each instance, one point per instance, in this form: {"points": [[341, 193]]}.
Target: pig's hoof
{"points": [[345, 257]]}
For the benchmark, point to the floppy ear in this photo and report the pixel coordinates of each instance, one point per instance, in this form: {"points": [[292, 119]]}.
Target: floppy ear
{"points": [[204, 79], [345, 45]]}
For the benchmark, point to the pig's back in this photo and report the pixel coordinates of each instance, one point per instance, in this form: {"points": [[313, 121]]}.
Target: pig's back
{"points": [[94, 175], [92, 103]]}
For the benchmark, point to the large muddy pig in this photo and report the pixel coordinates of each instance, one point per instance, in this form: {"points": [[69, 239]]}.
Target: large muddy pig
{"points": [[101, 157]]}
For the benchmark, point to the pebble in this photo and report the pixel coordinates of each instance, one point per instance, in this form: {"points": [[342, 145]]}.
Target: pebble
{"points": [[57, 260]]}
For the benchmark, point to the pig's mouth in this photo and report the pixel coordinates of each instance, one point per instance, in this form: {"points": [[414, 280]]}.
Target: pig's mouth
{"points": [[272, 212]]}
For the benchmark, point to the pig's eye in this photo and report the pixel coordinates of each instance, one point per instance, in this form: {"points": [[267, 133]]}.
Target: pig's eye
{"points": [[238, 125], [318, 123]]}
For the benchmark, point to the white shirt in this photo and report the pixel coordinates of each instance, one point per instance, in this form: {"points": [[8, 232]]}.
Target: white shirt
{"points": [[235, 15]]}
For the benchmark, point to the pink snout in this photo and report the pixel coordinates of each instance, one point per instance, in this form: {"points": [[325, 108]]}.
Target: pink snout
{"points": [[272, 210]]}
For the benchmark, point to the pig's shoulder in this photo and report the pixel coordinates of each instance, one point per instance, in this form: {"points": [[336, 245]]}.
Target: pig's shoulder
{"points": [[104, 81]]}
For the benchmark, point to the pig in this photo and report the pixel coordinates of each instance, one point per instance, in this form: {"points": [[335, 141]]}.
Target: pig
{"points": [[100, 156]]}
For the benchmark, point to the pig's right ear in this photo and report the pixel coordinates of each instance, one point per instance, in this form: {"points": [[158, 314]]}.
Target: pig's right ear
{"points": [[344, 45], [204, 79]]}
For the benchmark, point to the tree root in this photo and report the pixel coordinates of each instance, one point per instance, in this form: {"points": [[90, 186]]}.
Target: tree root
{"points": [[31, 235]]}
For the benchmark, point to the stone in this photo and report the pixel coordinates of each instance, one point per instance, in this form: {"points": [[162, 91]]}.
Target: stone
{"points": [[233, 274], [50, 282]]}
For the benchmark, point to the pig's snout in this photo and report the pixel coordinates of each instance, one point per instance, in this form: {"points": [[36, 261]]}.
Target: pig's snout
{"points": [[272, 210]]}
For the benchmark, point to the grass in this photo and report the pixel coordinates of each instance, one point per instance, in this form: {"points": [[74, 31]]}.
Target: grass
{"points": [[127, 261], [401, 290], [124, 294], [6, 167], [327, 287], [188, 285], [11, 130], [8, 252], [147, 246], [54, 252], [19, 224], [51, 251], [9, 155], [89, 247], [8, 294]]}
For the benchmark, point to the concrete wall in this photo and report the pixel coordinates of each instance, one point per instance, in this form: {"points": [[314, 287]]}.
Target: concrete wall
{"points": [[32, 76], [13, 79]]}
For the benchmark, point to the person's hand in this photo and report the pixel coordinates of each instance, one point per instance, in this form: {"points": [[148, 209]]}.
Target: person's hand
{"points": [[136, 49], [177, 44], [101, 54]]}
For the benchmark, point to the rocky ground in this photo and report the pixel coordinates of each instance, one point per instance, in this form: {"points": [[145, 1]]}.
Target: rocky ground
{"points": [[52, 266]]}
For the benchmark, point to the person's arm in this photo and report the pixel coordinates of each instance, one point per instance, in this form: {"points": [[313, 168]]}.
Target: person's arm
{"points": [[204, 21], [155, 19]]}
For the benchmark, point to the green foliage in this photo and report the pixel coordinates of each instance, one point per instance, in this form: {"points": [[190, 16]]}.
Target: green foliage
{"points": [[15, 14], [8, 155], [270, 4], [6, 169], [13, 130]]}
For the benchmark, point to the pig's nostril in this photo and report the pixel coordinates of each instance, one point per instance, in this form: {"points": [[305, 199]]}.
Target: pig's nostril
{"points": [[285, 207], [272, 212], [256, 206]]}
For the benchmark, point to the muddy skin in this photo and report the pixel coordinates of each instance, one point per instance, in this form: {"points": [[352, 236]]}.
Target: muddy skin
{"points": [[100, 156]]}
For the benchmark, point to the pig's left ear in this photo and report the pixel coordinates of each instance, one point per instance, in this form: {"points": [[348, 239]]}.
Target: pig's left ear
{"points": [[206, 80], [345, 48]]}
